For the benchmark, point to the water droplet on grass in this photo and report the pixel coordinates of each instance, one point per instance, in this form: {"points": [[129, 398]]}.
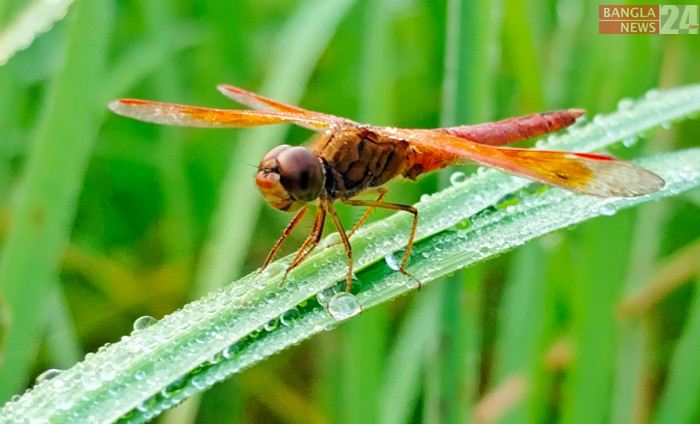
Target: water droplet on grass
{"points": [[290, 317], [457, 178], [343, 306], [47, 375], [607, 210], [625, 104], [144, 322], [463, 224], [630, 141], [393, 260], [272, 325]]}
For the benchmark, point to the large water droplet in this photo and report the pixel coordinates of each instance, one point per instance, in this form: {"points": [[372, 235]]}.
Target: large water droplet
{"points": [[47, 375], [457, 178], [343, 306], [144, 322]]}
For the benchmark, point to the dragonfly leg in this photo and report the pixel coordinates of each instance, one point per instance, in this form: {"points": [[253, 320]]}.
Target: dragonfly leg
{"points": [[381, 191], [344, 238], [396, 207], [310, 243], [285, 234]]}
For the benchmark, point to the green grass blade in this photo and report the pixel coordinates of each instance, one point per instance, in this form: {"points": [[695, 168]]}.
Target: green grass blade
{"points": [[595, 291], [42, 216], [417, 335], [523, 321], [37, 17], [679, 401], [237, 326], [633, 347], [61, 337]]}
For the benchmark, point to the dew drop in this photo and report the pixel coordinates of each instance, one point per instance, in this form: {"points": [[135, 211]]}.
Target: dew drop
{"points": [[457, 178], [652, 94], [392, 261], [607, 210], [232, 350], [271, 297], [625, 104], [343, 306], [463, 224], [144, 322], [47, 375], [290, 317], [630, 141], [272, 325], [325, 295]]}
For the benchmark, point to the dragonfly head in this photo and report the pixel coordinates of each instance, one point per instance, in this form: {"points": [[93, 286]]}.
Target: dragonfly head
{"points": [[288, 177]]}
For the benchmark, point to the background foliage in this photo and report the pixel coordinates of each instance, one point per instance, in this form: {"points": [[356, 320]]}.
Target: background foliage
{"points": [[105, 220]]}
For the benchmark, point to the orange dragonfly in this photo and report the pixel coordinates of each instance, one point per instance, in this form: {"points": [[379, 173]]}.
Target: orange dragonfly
{"points": [[348, 159]]}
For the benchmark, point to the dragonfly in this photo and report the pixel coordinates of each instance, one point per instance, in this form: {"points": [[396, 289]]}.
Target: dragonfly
{"points": [[349, 160]]}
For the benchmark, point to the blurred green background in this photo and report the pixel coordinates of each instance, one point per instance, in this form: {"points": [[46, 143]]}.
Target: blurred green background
{"points": [[104, 219]]}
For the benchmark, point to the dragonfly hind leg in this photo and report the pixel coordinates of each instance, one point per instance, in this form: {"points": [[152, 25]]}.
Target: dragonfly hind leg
{"points": [[371, 204], [381, 191]]}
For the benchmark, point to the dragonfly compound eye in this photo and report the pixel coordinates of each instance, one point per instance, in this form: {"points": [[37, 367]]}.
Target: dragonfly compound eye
{"points": [[301, 173], [290, 176]]}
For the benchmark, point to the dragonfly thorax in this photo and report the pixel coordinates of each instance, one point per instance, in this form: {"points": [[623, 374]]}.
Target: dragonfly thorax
{"points": [[289, 177]]}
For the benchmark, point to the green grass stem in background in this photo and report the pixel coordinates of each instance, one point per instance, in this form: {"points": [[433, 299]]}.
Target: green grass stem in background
{"points": [[43, 213]]}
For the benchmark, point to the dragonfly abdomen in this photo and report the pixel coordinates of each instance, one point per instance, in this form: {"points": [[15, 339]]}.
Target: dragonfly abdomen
{"points": [[516, 129]]}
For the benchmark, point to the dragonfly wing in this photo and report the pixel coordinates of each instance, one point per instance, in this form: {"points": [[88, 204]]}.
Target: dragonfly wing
{"points": [[591, 174], [259, 102], [192, 116]]}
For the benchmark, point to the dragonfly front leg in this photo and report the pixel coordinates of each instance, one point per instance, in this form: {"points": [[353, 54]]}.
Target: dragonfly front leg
{"points": [[285, 234], [310, 243]]}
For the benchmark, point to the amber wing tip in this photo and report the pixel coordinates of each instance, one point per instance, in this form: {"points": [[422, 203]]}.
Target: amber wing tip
{"points": [[115, 106], [226, 89]]}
